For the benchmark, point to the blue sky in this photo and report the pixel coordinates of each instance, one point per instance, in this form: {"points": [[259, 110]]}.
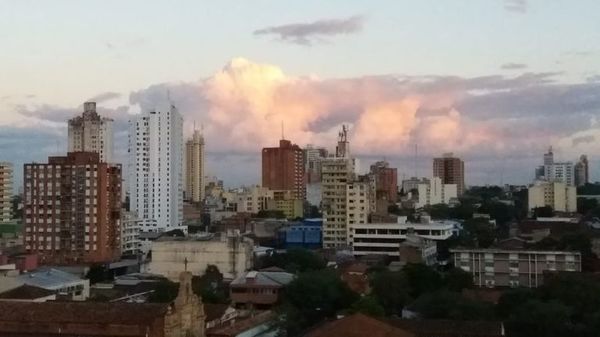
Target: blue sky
{"points": [[58, 54]]}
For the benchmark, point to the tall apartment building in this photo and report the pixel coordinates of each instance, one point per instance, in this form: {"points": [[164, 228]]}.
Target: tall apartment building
{"points": [[91, 133], [582, 171], [552, 171], [283, 168], [451, 170], [434, 192], [72, 209], [386, 181], [358, 205], [155, 175], [312, 163], [337, 173], [558, 195], [513, 268], [194, 168], [6, 191]]}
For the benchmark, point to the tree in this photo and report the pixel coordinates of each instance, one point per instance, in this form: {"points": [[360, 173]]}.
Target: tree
{"points": [[312, 297], [586, 205], [98, 273], [164, 292], [543, 212], [477, 232], [210, 286], [540, 319], [445, 304], [457, 279], [512, 299], [391, 290], [368, 305], [422, 279], [296, 260]]}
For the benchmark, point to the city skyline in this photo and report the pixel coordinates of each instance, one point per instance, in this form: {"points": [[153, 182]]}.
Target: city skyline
{"points": [[433, 84]]}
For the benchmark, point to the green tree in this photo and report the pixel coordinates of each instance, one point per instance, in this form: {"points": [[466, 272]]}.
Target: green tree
{"points": [[586, 205], [98, 273], [210, 286], [368, 305], [296, 260], [422, 279], [445, 304], [457, 279], [512, 299], [540, 319], [477, 232], [164, 292], [391, 290]]}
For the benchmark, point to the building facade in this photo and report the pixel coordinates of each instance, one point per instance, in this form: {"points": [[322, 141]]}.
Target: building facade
{"points": [[130, 234], [259, 289], [283, 168], [251, 199], [155, 176], [582, 171], [513, 268], [312, 163], [451, 170], [91, 133], [435, 192], [558, 195], [562, 172], [386, 181], [72, 209], [6, 191], [337, 172], [194, 168]]}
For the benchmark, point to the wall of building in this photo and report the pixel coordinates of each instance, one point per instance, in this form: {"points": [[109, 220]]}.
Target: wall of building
{"points": [[194, 168], [6, 191]]}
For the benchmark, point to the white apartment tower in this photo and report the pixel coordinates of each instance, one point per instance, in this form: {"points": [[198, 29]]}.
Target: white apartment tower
{"points": [[336, 173], [6, 191], [563, 172], [434, 192], [156, 168], [91, 133], [194, 168]]}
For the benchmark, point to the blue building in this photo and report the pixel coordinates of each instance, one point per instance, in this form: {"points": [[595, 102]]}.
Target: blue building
{"points": [[305, 234]]}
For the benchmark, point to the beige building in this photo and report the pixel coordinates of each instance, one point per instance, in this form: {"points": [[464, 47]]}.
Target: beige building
{"points": [[560, 196], [336, 173], [513, 268], [230, 252], [285, 202], [194, 168], [435, 192], [6, 191], [252, 199], [357, 205], [91, 133]]}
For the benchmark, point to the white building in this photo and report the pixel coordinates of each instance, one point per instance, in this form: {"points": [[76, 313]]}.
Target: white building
{"points": [[131, 227], [6, 191], [156, 168], [558, 195], [562, 172], [252, 199], [231, 253], [434, 192], [194, 168], [91, 133], [358, 205], [385, 238]]}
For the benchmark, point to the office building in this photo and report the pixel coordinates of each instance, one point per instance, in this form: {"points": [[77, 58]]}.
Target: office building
{"points": [[412, 184], [513, 268], [386, 181], [194, 168], [91, 133], [451, 170], [434, 192], [558, 195], [72, 209], [582, 173], [337, 172], [6, 191], [155, 176], [283, 168], [312, 163]]}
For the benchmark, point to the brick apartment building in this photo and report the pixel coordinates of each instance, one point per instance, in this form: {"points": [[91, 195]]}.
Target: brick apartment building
{"points": [[451, 170], [283, 169], [514, 268], [386, 181], [72, 209]]}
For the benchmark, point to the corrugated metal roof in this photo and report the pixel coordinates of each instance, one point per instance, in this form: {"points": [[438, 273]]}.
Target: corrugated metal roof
{"points": [[48, 278]]}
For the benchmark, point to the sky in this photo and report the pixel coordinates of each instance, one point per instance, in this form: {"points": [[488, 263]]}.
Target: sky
{"points": [[494, 81]]}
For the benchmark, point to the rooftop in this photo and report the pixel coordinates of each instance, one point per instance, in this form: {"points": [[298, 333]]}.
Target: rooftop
{"points": [[26, 292], [240, 326], [449, 328], [48, 278], [264, 278], [358, 325]]}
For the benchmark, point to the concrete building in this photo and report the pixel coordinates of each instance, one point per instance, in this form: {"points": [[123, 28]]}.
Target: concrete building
{"points": [[582, 171], [58, 281], [337, 172], [386, 181], [418, 250], [91, 133], [252, 199], [558, 195], [194, 168], [451, 170], [285, 202], [513, 268], [131, 227], [182, 317], [6, 191], [155, 176], [72, 209], [435, 192], [283, 168], [385, 238], [312, 163], [552, 171], [358, 205], [231, 253], [259, 289]]}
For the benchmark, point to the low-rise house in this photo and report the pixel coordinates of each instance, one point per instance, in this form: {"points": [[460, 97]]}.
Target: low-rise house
{"points": [[259, 289], [63, 283], [356, 278], [257, 325], [27, 293], [219, 314]]}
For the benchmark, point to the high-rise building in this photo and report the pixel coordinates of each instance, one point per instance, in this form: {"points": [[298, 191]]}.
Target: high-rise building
{"points": [[312, 163], [558, 195], [337, 173], [451, 170], [386, 181], [555, 171], [194, 168], [582, 172], [433, 192], [283, 168], [91, 133], [72, 209], [6, 191], [155, 169]]}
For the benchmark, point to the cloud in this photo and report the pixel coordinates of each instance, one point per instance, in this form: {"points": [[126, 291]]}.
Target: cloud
{"points": [[516, 6], [499, 124], [513, 66], [107, 96], [308, 33]]}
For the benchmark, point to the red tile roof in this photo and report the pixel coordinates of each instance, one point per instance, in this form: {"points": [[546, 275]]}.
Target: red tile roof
{"points": [[358, 325]]}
